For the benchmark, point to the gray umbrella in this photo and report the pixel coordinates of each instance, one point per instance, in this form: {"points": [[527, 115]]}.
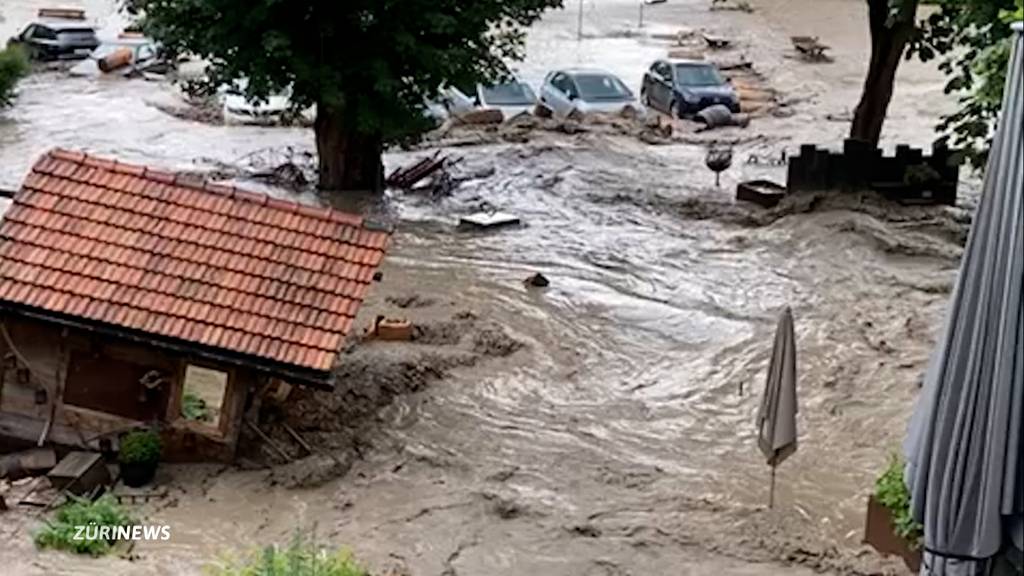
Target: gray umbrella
{"points": [[963, 446], [776, 419]]}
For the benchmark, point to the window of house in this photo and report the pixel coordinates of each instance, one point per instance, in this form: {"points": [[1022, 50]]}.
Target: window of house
{"points": [[203, 393]]}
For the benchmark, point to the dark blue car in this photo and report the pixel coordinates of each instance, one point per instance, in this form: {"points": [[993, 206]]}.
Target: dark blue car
{"points": [[57, 39], [684, 87]]}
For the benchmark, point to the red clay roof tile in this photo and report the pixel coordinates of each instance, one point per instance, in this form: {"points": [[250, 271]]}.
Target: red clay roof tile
{"points": [[129, 245]]}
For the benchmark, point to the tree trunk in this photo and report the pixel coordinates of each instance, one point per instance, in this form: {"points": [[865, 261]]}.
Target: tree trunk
{"points": [[349, 160], [888, 41]]}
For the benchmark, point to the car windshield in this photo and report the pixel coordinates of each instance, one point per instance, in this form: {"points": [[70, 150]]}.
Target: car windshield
{"points": [[602, 87], [698, 75], [77, 33], [509, 94]]}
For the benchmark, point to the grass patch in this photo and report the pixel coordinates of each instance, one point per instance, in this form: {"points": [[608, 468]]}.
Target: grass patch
{"points": [[301, 557], [59, 533], [892, 492]]}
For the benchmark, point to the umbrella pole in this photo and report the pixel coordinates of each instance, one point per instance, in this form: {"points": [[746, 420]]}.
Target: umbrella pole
{"points": [[771, 490]]}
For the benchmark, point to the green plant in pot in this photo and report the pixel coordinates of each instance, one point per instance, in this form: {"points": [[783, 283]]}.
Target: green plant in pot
{"points": [[138, 457], [891, 492]]}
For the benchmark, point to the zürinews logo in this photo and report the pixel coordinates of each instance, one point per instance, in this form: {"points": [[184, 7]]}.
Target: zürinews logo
{"points": [[111, 533]]}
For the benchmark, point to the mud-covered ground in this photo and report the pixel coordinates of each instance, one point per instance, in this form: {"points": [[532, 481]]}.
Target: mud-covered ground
{"points": [[602, 425]]}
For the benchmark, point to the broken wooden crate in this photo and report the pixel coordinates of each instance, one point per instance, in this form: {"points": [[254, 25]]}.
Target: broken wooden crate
{"points": [[79, 473]]}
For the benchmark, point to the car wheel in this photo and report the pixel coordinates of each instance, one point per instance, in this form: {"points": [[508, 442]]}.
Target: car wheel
{"points": [[674, 110]]}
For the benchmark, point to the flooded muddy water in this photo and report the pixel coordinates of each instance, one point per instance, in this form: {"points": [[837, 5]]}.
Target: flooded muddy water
{"points": [[620, 439]]}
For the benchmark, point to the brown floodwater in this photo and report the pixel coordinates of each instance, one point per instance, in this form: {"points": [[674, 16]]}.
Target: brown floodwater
{"points": [[620, 440]]}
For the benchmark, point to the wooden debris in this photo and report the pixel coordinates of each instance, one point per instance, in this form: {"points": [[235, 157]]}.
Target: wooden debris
{"points": [[276, 447], [716, 42], [761, 192], [27, 463], [737, 5], [79, 472], [487, 220], [62, 13], [537, 280], [810, 48], [479, 117], [410, 176]]}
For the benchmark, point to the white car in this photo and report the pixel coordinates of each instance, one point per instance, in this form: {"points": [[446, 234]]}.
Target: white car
{"points": [[239, 110], [513, 98], [587, 91]]}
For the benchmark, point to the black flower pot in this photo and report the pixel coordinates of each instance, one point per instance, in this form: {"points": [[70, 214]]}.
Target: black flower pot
{"points": [[136, 474]]}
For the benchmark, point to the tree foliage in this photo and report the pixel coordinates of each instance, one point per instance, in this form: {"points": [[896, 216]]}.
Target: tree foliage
{"points": [[13, 66], [973, 43], [369, 64]]}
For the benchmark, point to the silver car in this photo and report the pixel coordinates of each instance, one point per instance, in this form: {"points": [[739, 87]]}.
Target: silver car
{"points": [[587, 91]]}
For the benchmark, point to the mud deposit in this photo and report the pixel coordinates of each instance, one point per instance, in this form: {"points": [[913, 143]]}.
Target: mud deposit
{"points": [[602, 425]]}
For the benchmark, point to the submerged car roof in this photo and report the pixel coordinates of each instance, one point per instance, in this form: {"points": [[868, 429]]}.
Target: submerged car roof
{"points": [[576, 71], [689, 62]]}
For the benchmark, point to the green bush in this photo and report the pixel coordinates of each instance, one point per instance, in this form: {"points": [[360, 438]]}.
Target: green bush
{"points": [[60, 533], [13, 66], [194, 408], [139, 446], [299, 558], [892, 492]]}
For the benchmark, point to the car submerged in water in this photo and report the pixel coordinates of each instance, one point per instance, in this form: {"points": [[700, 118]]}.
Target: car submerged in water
{"points": [[144, 52], [239, 109], [587, 91], [57, 35], [682, 88], [513, 98]]}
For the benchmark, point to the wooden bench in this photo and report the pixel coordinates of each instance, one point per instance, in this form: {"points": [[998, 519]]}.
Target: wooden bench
{"points": [[809, 47]]}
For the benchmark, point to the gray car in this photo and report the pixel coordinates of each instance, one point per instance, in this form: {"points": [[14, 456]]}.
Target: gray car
{"points": [[685, 87], [57, 40]]}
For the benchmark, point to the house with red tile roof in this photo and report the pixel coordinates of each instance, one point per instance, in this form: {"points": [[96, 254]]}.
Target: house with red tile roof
{"points": [[131, 296]]}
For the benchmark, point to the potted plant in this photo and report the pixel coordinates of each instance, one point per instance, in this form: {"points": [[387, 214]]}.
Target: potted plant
{"points": [[890, 527], [138, 457]]}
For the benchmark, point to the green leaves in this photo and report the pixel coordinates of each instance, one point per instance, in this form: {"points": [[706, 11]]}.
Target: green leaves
{"points": [[891, 492], [139, 446], [1017, 15], [300, 557], [60, 533], [375, 61], [974, 45], [13, 67]]}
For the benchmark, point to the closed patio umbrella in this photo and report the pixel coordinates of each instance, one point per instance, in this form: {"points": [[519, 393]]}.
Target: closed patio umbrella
{"points": [[776, 419], [963, 445]]}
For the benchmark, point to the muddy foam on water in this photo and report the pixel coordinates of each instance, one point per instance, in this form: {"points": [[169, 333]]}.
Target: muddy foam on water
{"points": [[604, 424]]}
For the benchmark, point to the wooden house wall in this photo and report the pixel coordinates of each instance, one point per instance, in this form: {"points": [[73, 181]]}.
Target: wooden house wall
{"points": [[103, 402]]}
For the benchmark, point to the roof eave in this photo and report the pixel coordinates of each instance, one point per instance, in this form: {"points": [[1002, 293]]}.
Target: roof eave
{"points": [[320, 379]]}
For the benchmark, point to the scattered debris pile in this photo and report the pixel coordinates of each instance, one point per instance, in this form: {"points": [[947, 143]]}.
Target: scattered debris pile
{"points": [[315, 436], [733, 5], [651, 129], [810, 49], [430, 174]]}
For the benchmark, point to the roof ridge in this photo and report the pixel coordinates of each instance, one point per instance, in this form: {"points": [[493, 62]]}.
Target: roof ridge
{"points": [[204, 184]]}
